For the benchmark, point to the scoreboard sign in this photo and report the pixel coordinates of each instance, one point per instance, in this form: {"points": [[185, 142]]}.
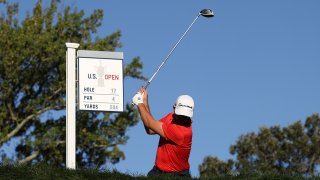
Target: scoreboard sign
{"points": [[100, 75]]}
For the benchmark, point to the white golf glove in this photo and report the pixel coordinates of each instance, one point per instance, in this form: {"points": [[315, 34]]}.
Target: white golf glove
{"points": [[137, 99]]}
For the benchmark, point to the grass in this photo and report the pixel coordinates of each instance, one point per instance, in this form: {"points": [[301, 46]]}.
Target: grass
{"points": [[43, 172]]}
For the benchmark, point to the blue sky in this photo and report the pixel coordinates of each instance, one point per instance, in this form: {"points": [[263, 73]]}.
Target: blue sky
{"points": [[256, 63]]}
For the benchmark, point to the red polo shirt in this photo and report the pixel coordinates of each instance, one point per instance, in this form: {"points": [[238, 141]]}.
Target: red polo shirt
{"points": [[174, 150]]}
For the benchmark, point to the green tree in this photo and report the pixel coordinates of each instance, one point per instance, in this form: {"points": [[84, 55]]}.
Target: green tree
{"points": [[290, 150], [32, 87], [212, 167]]}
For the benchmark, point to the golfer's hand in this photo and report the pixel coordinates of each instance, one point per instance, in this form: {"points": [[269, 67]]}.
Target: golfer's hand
{"points": [[144, 91], [137, 99]]}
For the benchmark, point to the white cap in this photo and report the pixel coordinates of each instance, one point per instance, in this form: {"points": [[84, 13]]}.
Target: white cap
{"points": [[184, 106]]}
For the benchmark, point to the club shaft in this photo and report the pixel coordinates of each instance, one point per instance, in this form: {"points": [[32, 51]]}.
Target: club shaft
{"points": [[167, 57]]}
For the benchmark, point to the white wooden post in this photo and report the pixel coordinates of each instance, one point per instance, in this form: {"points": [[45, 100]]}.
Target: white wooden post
{"points": [[71, 105]]}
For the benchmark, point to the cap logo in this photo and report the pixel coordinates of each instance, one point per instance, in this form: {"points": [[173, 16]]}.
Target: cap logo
{"points": [[182, 105]]}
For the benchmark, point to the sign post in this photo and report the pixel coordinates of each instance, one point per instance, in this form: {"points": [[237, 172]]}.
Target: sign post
{"points": [[100, 88], [71, 105]]}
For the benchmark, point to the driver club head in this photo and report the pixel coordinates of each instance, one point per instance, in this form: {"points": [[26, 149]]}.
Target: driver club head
{"points": [[206, 13]]}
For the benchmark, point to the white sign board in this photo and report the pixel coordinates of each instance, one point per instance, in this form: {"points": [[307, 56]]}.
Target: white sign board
{"points": [[100, 80]]}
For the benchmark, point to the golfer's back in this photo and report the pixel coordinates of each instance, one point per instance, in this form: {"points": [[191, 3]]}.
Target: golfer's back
{"points": [[174, 150]]}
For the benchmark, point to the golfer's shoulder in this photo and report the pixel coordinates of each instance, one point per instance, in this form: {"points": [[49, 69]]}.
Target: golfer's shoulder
{"points": [[167, 118], [180, 129]]}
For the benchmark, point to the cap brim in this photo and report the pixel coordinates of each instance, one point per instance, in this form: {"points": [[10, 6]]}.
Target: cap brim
{"points": [[183, 111]]}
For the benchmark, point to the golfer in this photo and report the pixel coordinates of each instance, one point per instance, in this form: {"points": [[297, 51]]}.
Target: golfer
{"points": [[175, 133]]}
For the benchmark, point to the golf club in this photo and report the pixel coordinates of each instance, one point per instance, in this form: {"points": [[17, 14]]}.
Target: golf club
{"points": [[204, 13]]}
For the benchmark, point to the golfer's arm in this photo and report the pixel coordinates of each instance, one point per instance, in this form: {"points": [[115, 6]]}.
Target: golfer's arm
{"points": [[149, 122], [148, 130], [146, 104]]}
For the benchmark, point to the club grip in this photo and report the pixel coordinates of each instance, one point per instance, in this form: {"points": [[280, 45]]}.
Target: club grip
{"points": [[146, 86]]}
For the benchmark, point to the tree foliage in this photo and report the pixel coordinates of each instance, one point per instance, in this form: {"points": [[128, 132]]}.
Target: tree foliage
{"points": [[212, 166], [290, 150], [32, 86]]}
